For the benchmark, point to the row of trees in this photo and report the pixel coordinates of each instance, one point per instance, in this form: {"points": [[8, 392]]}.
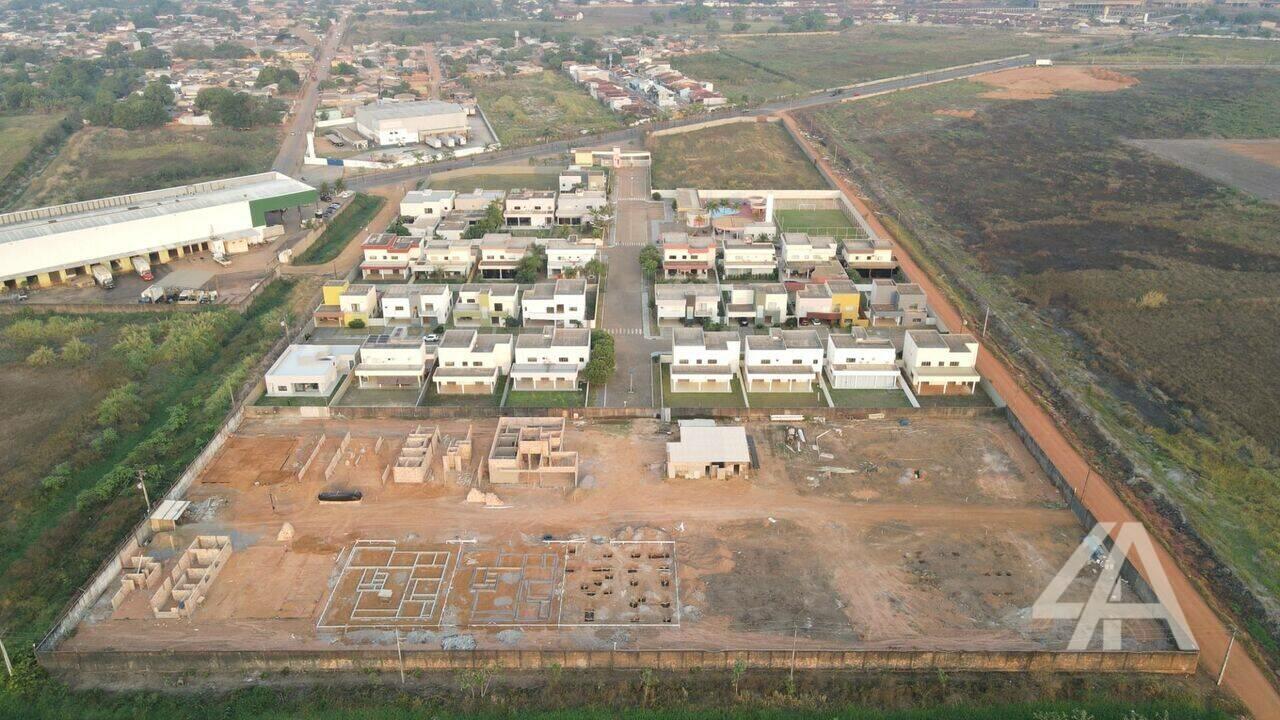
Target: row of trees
{"points": [[237, 109]]}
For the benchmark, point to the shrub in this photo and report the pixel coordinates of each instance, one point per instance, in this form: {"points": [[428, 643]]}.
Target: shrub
{"points": [[356, 324], [75, 351], [42, 356], [122, 408]]}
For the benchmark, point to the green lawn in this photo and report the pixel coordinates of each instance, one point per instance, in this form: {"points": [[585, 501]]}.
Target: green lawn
{"points": [[760, 68], [99, 162], [870, 399], [739, 156], [546, 398], [787, 399], [535, 108], [496, 181], [19, 134], [351, 220], [1203, 51], [698, 400], [478, 401], [375, 397], [818, 222]]}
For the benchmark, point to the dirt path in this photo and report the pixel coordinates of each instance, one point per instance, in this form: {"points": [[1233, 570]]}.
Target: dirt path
{"points": [[1243, 677], [352, 254], [433, 67]]}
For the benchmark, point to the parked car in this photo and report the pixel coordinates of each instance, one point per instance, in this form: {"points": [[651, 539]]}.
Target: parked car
{"points": [[432, 338]]}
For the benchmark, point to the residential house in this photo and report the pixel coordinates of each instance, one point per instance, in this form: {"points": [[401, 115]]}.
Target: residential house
{"points": [[578, 207], [938, 364], [392, 361], [429, 203], [388, 255], [471, 363], [476, 201], [843, 302], [576, 177], [486, 304], [872, 257], [690, 303], [550, 360], [435, 302], [704, 361], [745, 258], [530, 208], [500, 254], [567, 255], [756, 303], [562, 303], [453, 226], [442, 258], [310, 371], [399, 303], [803, 253], [782, 361], [690, 210], [859, 361], [894, 304], [329, 312], [686, 256], [358, 302]]}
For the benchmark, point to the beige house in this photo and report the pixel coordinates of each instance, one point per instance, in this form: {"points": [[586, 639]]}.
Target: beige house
{"points": [[443, 258], [693, 302], [893, 304], [745, 258], [685, 256], [782, 361], [938, 364], [530, 208], [550, 360], [859, 361], [471, 363]]}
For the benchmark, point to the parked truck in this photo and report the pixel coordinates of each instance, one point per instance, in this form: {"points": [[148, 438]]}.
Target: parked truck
{"points": [[142, 267], [102, 276]]}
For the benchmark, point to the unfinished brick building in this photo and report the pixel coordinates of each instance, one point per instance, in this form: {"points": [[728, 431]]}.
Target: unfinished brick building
{"points": [[527, 451]]}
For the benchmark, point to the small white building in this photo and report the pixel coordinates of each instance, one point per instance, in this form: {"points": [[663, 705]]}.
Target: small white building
{"points": [[550, 360], [576, 208], [896, 304], [390, 122], [745, 258], [359, 302], [530, 208], [704, 361], [565, 255], [938, 364], [869, 255], [686, 302], [562, 303], [782, 361], [435, 302], [707, 450], [858, 361], [393, 361], [428, 203], [312, 371], [471, 363]]}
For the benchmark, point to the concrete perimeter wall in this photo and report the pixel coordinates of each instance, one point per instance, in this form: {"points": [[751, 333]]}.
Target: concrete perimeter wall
{"points": [[599, 413], [351, 660]]}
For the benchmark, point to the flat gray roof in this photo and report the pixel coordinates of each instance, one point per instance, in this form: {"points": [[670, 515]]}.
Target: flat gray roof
{"points": [[709, 444], [89, 214], [381, 110]]}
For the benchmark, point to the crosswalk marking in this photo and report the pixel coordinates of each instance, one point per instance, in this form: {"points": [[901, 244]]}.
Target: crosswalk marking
{"points": [[624, 331]]}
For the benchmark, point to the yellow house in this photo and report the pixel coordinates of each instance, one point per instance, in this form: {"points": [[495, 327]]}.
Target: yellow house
{"points": [[847, 301], [329, 311]]}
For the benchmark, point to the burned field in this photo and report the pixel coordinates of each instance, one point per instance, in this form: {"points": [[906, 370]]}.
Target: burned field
{"points": [[953, 559], [1160, 282]]}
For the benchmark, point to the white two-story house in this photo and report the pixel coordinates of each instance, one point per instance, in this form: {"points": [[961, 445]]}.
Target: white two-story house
{"points": [[704, 361], [782, 361], [471, 363], [550, 360], [530, 208], [747, 259], [428, 203], [393, 361], [938, 364], [692, 302], [562, 303], [858, 361]]}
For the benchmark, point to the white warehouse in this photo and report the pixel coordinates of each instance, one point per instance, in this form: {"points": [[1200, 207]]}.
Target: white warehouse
{"points": [[51, 244], [402, 123]]}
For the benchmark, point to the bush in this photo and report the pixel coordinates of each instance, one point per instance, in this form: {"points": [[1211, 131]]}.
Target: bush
{"points": [[122, 408], [602, 363], [75, 351], [42, 356], [356, 324]]}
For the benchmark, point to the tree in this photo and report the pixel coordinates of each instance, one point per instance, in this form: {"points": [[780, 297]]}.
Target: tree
{"points": [[122, 408], [650, 260], [602, 363], [596, 267], [159, 92], [138, 112], [532, 265]]}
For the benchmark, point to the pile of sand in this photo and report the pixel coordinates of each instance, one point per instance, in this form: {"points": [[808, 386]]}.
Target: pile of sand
{"points": [[1042, 83]]}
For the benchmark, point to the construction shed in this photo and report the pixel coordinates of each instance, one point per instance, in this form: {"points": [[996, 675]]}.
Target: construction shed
{"points": [[707, 450]]}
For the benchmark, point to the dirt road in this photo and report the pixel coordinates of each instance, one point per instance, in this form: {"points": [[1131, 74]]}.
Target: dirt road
{"points": [[1243, 677]]}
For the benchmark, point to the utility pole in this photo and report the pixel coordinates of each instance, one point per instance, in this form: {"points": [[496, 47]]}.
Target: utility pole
{"points": [[400, 657], [1221, 674], [985, 318], [1088, 474], [142, 485], [795, 634]]}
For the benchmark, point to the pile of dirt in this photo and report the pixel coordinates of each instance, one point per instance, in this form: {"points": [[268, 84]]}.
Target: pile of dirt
{"points": [[1042, 83]]}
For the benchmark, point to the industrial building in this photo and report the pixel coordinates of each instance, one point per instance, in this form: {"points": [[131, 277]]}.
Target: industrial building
{"points": [[404, 123], [48, 245]]}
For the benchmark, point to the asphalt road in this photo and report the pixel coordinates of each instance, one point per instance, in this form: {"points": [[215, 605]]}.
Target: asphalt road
{"points": [[289, 159]]}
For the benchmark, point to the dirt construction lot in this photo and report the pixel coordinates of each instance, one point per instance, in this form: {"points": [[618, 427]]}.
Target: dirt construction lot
{"points": [[936, 534]]}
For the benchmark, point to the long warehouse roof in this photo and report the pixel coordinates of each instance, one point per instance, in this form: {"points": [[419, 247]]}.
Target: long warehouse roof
{"points": [[394, 110], [89, 214]]}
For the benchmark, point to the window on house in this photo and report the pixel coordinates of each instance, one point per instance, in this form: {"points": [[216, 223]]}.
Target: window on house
{"points": [[955, 363], [925, 363]]}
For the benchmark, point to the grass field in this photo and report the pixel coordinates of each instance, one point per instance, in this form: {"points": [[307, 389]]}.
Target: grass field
{"points": [[98, 162], [698, 400], [71, 453], [760, 68], [869, 398], [535, 108], [786, 399], [1154, 270], [357, 214], [544, 399], [20, 133], [818, 222], [739, 156], [496, 181], [1204, 51]]}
